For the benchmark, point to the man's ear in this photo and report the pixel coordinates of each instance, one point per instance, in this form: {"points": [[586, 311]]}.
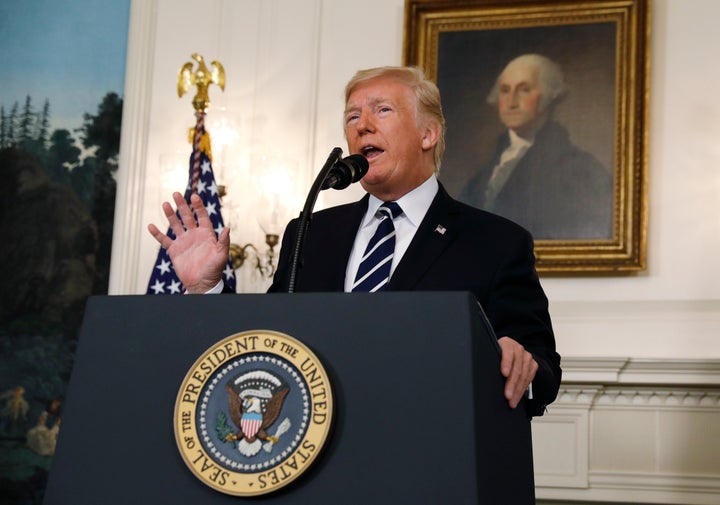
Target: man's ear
{"points": [[431, 134]]}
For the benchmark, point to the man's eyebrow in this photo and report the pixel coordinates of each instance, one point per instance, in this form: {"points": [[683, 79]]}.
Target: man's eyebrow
{"points": [[373, 101]]}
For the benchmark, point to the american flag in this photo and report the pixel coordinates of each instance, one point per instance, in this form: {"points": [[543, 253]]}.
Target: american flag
{"points": [[163, 280]]}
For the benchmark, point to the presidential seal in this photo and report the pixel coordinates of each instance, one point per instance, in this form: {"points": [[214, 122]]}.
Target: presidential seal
{"points": [[253, 413]]}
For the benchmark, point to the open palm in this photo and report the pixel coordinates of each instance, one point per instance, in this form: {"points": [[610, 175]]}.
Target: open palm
{"points": [[197, 255]]}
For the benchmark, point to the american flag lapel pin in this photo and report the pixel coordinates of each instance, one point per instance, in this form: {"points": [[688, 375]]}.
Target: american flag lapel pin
{"points": [[440, 229]]}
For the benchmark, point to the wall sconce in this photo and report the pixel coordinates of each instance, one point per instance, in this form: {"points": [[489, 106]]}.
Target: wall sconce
{"points": [[264, 263]]}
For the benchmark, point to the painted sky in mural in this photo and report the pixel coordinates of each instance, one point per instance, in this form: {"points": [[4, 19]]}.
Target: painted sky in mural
{"points": [[69, 52]]}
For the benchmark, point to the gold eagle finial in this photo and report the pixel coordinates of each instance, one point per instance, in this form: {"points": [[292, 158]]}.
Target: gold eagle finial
{"points": [[202, 78]]}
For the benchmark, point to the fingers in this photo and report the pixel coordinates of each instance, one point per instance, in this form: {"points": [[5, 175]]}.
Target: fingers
{"points": [[519, 367], [224, 239], [163, 239], [186, 215], [187, 218], [203, 219], [177, 226]]}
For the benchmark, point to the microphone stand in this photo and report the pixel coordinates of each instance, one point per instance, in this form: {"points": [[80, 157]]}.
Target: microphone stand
{"points": [[335, 156]]}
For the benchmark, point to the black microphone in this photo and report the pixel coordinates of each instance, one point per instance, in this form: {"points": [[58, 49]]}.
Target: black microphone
{"points": [[336, 173], [346, 171]]}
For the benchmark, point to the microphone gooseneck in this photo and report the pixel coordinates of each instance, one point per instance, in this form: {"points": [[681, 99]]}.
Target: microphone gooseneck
{"points": [[337, 173]]}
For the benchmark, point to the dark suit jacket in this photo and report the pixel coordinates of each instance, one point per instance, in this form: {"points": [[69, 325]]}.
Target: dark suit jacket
{"points": [[478, 252], [556, 190]]}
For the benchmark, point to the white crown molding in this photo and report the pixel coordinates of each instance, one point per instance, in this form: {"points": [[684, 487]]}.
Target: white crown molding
{"points": [[608, 371], [672, 371], [654, 398]]}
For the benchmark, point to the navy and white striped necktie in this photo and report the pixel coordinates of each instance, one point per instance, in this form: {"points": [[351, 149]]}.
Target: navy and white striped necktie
{"points": [[374, 271]]}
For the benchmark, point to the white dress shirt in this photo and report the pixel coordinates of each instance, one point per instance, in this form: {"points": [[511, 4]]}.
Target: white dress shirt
{"points": [[415, 205]]}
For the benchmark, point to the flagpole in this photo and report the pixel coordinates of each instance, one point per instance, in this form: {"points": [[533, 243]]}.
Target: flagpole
{"points": [[197, 138]]}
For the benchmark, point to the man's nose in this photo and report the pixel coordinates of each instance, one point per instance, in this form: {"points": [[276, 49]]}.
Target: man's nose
{"points": [[365, 123]]}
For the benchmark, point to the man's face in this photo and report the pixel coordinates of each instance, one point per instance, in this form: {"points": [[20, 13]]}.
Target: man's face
{"points": [[519, 99], [381, 124]]}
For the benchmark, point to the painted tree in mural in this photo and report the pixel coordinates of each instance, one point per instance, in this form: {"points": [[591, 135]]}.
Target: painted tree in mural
{"points": [[56, 218], [101, 133]]}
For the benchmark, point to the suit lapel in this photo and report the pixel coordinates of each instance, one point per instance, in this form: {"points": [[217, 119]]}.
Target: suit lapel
{"points": [[336, 251], [436, 232]]}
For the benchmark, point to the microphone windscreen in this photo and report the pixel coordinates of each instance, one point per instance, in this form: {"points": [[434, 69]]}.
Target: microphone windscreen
{"points": [[346, 171], [358, 165]]}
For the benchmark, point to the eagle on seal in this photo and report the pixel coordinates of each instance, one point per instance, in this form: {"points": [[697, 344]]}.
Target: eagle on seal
{"points": [[255, 400]]}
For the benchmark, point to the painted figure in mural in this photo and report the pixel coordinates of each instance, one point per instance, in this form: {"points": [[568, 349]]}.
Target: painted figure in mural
{"points": [[537, 177], [16, 407], [41, 438]]}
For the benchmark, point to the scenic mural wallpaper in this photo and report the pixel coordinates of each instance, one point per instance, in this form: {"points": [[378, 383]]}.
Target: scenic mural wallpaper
{"points": [[61, 98]]}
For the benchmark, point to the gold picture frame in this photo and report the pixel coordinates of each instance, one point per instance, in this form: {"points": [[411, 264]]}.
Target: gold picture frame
{"points": [[602, 48]]}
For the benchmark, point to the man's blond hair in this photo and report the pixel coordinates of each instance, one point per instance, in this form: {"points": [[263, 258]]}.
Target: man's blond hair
{"points": [[428, 105]]}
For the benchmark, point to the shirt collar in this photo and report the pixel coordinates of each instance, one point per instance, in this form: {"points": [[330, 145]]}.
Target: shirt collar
{"points": [[517, 142], [414, 204]]}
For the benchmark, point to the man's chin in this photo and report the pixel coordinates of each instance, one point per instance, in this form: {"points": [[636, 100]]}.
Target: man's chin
{"points": [[515, 125], [370, 183], [366, 185]]}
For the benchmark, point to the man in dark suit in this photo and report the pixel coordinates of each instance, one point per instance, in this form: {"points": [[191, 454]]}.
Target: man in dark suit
{"points": [[537, 176], [393, 117]]}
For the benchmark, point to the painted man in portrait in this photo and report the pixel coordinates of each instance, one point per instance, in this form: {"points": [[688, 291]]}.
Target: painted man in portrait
{"points": [[537, 176]]}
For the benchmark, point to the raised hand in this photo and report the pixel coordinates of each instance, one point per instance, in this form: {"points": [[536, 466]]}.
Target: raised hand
{"points": [[197, 255]]}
